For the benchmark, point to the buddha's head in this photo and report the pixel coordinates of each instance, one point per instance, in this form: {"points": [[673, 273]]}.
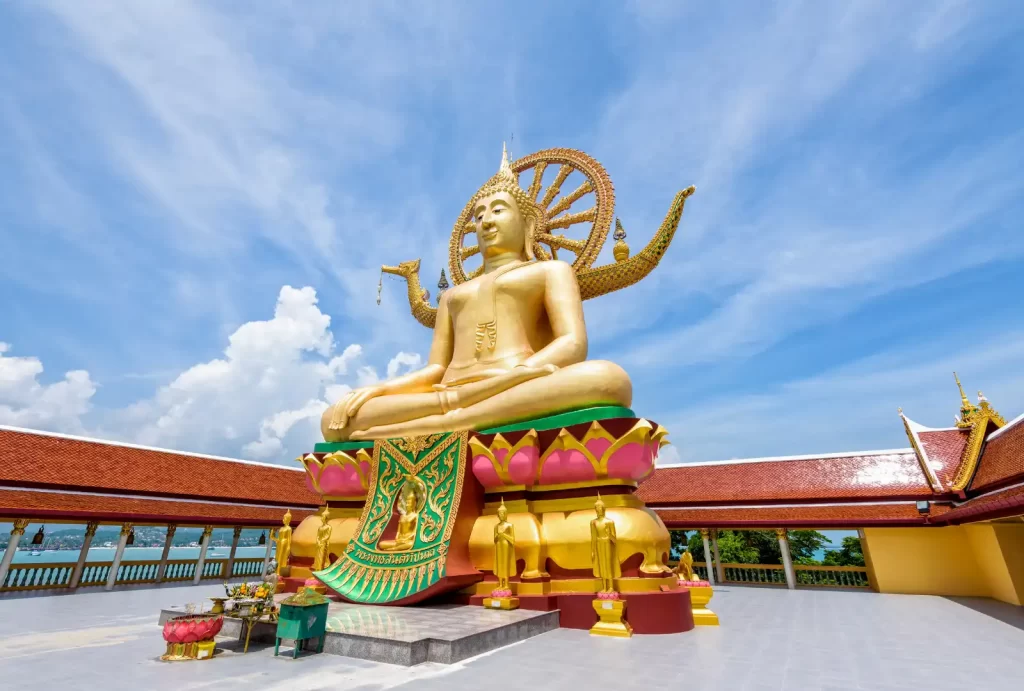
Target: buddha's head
{"points": [[505, 218], [410, 502], [326, 515], [502, 511], [599, 507], [287, 518]]}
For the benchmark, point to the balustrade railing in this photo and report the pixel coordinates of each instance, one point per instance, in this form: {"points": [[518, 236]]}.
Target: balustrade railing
{"points": [[180, 570], [214, 568], [94, 574], [832, 576], [38, 576], [250, 566], [137, 572], [768, 574]]}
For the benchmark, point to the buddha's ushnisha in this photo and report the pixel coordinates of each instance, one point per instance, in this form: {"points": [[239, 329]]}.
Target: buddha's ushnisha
{"points": [[508, 345]]}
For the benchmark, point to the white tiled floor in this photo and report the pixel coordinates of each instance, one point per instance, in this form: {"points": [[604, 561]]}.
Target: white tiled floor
{"points": [[769, 639]]}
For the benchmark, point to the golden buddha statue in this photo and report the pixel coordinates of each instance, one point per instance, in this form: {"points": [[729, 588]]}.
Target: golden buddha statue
{"points": [[685, 569], [504, 549], [284, 544], [410, 502], [509, 344], [602, 549], [323, 539]]}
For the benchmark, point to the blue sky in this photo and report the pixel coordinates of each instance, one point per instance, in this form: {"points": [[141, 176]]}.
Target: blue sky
{"points": [[196, 199]]}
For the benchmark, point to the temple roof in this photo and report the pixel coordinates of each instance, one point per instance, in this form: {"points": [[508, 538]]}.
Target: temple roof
{"points": [[1003, 457], [41, 471], [865, 475]]}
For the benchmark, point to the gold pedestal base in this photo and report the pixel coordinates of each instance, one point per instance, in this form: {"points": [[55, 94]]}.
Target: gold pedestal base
{"points": [[501, 602], [181, 652], [700, 596], [611, 624]]}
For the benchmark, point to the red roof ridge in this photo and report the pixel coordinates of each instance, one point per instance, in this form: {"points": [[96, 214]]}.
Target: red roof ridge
{"points": [[1015, 421], [126, 445], [805, 457], [770, 505]]}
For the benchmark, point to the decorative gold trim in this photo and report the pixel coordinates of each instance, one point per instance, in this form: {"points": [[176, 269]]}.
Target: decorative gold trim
{"points": [[609, 482], [539, 506]]}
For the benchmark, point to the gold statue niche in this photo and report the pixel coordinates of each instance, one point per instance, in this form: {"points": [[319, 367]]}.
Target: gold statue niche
{"points": [[510, 341], [411, 499]]}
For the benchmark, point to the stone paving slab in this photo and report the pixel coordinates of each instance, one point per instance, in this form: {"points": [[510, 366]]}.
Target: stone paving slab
{"points": [[769, 639], [408, 635]]}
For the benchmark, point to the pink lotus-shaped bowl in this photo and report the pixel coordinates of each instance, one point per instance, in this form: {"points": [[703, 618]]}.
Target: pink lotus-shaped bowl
{"points": [[193, 628]]}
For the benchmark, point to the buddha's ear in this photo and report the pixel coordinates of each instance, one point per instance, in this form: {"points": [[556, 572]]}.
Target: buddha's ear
{"points": [[531, 231]]}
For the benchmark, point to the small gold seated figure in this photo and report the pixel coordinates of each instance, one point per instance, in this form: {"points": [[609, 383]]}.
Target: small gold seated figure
{"points": [[508, 345], [409, 505]]}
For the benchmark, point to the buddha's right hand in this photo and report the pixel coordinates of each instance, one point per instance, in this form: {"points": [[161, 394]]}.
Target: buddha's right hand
{"points": [[351, 403]]}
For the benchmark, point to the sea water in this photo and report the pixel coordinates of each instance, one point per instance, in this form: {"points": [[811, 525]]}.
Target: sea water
{"points": [[106, 554]]}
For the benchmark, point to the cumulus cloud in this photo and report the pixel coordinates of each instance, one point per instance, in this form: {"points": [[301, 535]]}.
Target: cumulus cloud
{"points": [[262, 399], [25, 402]]}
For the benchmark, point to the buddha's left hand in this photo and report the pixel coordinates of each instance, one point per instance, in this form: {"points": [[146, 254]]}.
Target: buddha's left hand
{"points": [[351, 404]]}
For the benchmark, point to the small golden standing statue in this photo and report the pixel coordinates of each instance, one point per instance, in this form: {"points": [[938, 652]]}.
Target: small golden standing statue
{"points": [[284, 545], [504, 550], [602, 549], [323, 538], [504, 562], [609, 608], [411, 500], [685, 569]]}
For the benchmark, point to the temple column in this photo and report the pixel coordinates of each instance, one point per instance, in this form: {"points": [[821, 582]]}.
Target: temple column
{"points": [[166, 553], [76, 575], [122, 542], [12, 546], [203, 544], [270, 550], [704, 532], [787, 560], [231, 554], [719, 569]]}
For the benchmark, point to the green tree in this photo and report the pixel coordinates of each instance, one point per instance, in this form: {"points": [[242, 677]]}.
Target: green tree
{"points": [[850, 554], [760, 546], [678, 543]]}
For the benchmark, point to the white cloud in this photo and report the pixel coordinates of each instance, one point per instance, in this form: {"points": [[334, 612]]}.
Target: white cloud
{"points": [[262, 399], [25, 402]]}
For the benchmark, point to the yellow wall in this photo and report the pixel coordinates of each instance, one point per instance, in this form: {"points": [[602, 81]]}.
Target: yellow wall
{"points": [[982, 560]]}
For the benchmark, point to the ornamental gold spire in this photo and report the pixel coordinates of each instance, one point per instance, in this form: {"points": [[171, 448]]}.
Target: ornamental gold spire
{"points": [[968, 411]]}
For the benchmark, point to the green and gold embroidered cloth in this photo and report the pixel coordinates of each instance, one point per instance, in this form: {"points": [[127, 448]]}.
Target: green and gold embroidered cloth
{"points": [[422, 478]]}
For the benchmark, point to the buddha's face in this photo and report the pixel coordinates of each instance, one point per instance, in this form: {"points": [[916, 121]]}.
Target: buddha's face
{"points": [[326, 516], [502, 513], [287, 519], [599, 508], [410, 502], [500, 226]]}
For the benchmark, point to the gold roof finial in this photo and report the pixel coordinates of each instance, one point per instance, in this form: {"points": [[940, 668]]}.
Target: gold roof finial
{"points": [[963, 396]]}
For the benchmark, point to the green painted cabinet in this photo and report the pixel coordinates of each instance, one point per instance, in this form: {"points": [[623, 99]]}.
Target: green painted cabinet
{"points": [[302, 617]]}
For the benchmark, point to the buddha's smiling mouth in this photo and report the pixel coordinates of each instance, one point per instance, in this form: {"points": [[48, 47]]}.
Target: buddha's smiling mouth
{"points": [[489, 234]]}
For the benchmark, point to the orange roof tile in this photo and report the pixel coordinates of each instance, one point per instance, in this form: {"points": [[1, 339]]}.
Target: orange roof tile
{"points": [[999, 504], [808, 516], [894, 474], [39, 459], [944, 449], [22, 503], [1002, 458]]}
